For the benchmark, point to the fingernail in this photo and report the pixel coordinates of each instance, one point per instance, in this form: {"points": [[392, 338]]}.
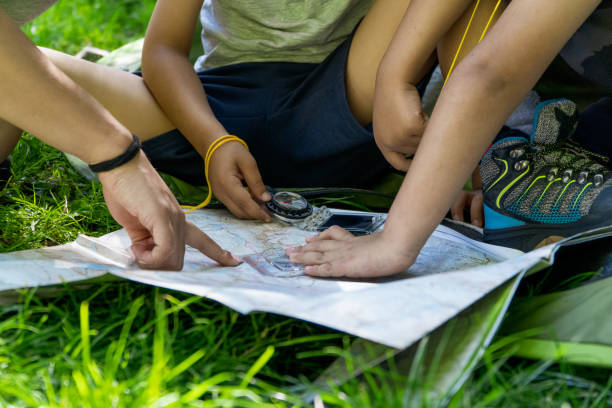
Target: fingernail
{"points": [[237, 258], [477, 223], [456, 217], [291, 249], [266, 196], [310, 238]]}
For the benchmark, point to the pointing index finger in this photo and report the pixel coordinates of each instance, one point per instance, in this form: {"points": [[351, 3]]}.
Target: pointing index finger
{"points": [[203, 243]]}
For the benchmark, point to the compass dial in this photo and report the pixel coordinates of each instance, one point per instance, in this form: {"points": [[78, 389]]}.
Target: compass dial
{"points": [[289, 205]]}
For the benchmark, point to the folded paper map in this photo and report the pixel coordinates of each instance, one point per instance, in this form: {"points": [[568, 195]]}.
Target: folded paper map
{"points": [[451, 273]]}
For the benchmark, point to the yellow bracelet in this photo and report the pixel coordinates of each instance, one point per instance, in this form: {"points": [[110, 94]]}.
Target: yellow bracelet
{"points": [[213, 147]]}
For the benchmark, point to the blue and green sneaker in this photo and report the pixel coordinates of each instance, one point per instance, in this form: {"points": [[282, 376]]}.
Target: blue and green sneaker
{"points": [[542, 187]]}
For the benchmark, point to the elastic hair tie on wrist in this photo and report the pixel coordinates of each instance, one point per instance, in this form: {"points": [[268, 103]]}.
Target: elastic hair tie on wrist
{"points": [[120, 160], [211, 149]]}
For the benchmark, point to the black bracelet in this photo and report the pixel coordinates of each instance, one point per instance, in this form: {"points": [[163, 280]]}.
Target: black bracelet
{"points": [[119, 160]]}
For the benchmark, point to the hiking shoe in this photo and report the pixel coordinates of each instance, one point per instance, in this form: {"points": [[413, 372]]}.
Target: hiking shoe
{"points": [[540, 188]]}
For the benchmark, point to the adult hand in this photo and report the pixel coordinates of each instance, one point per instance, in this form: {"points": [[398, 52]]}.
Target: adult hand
{"points": [[140, 201], [337, 253], [229, 167], [398, 121]]}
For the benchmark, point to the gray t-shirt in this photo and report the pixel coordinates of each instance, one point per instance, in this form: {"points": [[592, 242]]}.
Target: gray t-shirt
{"points": [[308, 30], [22, 11], [275, 30]]}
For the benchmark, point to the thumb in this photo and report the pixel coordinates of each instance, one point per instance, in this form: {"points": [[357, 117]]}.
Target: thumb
{"points": [[251, 174], [203, 243]]}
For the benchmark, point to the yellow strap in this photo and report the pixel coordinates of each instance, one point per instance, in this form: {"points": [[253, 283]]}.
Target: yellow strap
{"points": [[490, 20], [213, 147], [467, 29]]}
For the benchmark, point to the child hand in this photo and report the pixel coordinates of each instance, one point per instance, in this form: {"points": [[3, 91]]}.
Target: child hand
{"points": [[399, 122], [337, 253], [472, 201], [229, 167]]}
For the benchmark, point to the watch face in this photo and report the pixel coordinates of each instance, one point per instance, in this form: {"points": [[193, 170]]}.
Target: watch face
{"points": [[290, 201]]}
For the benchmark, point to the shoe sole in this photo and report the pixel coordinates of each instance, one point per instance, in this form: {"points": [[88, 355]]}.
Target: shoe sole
{"points": [[528, 237]]}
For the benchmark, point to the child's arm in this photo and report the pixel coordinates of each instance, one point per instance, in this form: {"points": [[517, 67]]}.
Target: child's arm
{"points": [[170, 77], [482, 92], [398, 119]]}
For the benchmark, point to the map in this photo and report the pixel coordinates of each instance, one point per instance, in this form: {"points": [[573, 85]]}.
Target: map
{"points": [[451, 273]]}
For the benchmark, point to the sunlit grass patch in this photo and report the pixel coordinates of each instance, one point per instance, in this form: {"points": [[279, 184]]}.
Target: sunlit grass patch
{"points": [[47, 202], [70, 25]]}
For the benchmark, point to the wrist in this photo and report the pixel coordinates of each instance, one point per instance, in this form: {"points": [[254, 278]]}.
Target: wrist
{"points": [[387, 85], [139, 163], [118, 160], [392, 73], [210, 140], [405, 242], [96, 149], [204, 136], [396, 259]]}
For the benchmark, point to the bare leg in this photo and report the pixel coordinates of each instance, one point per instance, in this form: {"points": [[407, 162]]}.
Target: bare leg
{"points": [[123, 94], [9, 136]]}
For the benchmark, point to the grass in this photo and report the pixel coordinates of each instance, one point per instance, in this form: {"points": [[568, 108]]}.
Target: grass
{"points": [[72, 24], [128, 345]]}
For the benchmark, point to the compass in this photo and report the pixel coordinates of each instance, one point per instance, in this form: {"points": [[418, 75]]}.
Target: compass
{"points": [[289, 207]]}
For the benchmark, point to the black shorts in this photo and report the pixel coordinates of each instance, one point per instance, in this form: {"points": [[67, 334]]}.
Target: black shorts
{"points": [[295, 119]]}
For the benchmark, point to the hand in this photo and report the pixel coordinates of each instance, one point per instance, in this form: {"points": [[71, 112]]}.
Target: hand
{"points": [[337, 253], [229, 167], [140, 201], [471, 200], [399, 122]]}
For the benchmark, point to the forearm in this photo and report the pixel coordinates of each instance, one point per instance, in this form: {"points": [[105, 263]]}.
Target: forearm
{"points": [[172, 80], [417, 36], [479, 97], [170, 76], [39, 98], [456, 137]]}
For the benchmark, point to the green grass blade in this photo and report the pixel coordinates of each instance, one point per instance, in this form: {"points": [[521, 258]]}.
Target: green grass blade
{"points": [[185, 364], [204, 386], [257, 366], [123, 337], [592, 355], [85, 347]]}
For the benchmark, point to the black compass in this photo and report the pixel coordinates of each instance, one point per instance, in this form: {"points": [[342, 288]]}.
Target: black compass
{"points": [[289, 207]]}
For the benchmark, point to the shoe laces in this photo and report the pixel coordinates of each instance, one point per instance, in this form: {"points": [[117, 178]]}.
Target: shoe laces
{"points": [[568, 159]]}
